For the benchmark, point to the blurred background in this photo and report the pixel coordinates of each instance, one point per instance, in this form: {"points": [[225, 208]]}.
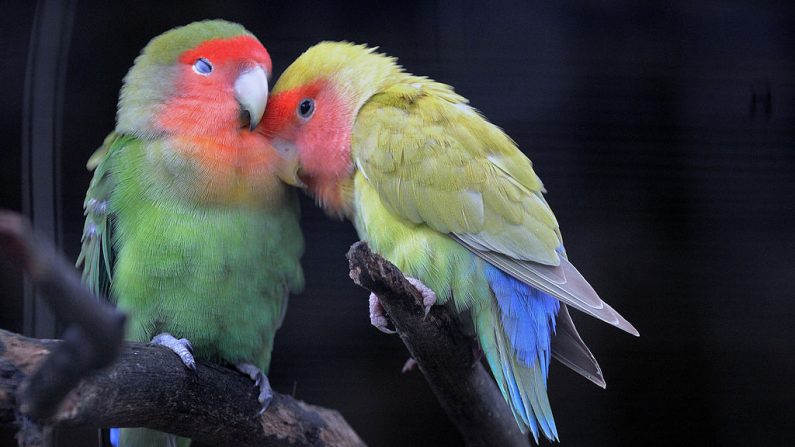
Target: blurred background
{"points": [[663, 130]]}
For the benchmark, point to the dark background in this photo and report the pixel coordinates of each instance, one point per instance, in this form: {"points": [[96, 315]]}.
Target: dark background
{"points": [[663, 130]]}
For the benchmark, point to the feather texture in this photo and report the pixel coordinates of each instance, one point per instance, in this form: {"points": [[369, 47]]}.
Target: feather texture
{"points": [[96, 256], [563, 281], [569, 349], [188, 229], [449, 198], [173, 262], [523, 335]]}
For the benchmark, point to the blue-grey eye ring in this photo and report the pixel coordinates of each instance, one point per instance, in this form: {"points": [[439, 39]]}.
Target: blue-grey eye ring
{"points": [[202, 66]]}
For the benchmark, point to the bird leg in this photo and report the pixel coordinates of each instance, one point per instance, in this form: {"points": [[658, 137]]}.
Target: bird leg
{"points": [[261, 381], [181, 347]]}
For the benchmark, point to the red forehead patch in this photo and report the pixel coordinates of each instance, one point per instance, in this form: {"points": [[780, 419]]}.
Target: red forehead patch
{"points": [[231, 49], [281, 110]]}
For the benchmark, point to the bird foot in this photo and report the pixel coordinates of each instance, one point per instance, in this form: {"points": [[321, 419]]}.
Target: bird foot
{"points": [[378, 316], [428, 295], [261, 381], [409, 365], [181, 347]]}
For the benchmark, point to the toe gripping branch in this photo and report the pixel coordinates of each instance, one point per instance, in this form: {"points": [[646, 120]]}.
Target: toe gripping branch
{"points": [[77, 382], [180, 346], [444, 354], [261, 382]]}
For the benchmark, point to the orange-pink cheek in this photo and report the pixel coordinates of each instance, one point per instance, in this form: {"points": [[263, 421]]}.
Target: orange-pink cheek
{"points": [[325, 148]]}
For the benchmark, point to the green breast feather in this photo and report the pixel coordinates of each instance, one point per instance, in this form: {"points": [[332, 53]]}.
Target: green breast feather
{"points": [[216, 275]]}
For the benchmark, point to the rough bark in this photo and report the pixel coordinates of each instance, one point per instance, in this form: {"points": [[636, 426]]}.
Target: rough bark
{"points": [[149, 387], [94, 329], [70, 383], [445, 355]]}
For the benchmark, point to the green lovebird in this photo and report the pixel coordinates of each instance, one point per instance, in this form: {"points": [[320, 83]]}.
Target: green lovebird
{"points": [[447, 196], [188, 228]]}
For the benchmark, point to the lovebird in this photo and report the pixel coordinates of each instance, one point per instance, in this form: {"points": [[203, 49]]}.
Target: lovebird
{"points": [[447, 197], [188, 228]]}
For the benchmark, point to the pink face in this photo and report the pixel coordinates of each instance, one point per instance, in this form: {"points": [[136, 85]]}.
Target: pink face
{"points": [[312, 124], [219, 82], [206, 85]]}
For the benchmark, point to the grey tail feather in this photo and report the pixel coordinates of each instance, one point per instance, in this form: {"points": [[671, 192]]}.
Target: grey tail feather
{"points": [[569, 349], [563, 282]]}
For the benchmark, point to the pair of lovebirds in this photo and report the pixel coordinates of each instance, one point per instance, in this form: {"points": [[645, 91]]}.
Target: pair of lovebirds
{"points": [[192, 229]]}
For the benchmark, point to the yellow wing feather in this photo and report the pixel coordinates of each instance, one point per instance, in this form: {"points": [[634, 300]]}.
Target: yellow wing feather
{"points": [[435, 160]]}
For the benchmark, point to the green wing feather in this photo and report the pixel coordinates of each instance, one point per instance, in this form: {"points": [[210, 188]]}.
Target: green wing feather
{"points": [[435, 160], [96, 253]]}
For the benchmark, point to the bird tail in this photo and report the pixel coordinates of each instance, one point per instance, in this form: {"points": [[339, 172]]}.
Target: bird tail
{"points": [[515, 332], [569, 349], [144, 437]]}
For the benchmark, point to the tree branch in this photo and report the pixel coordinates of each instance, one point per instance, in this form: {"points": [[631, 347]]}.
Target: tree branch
{"points": [[150, 387], [95, 329], [66, 383], [444, 354]]}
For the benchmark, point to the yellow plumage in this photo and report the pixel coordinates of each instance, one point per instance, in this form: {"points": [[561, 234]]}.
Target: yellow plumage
{"points": [[449, 198], [439, 162]]}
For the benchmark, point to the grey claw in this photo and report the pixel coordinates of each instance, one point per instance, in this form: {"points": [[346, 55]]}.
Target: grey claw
{"points": [[409, 365], [187, 344], [428, 295], [386, 330], [265, 396], [182, 347]]}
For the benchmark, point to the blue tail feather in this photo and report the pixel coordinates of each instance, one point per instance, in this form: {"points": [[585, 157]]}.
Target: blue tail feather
{"points": [[527, 317], [144, 437]]}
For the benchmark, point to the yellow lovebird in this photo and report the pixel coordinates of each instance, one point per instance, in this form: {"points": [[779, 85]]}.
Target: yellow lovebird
{"points": [[445, 195]]}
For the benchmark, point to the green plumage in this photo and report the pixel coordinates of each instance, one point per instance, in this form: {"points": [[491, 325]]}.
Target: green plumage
{"points": [[216, 275], [188, 229]]}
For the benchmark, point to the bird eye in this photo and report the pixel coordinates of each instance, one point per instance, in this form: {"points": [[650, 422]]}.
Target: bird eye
{"points": [[202, 66], [306, 108]]}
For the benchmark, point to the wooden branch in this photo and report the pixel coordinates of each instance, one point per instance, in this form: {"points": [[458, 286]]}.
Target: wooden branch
{"points": [[95, 329], [444, 354], [150, 387], [66, 383]]}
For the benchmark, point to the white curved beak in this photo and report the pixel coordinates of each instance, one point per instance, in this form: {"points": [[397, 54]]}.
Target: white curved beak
{"points": [[251, 92]]}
